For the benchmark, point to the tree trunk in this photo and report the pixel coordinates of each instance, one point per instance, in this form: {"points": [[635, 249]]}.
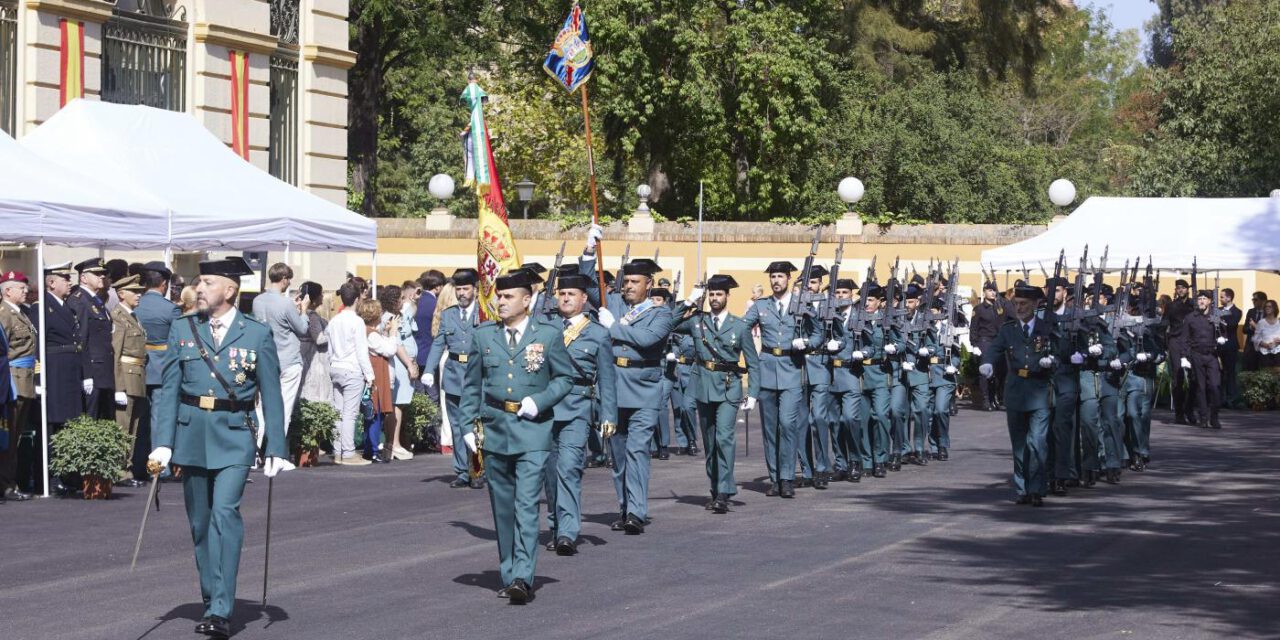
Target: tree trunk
{"points": [[365, 101]]}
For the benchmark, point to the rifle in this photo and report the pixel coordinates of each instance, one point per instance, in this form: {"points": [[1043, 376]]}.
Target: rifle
{"points": [[1120, 307], [550, 307], [827, 312], [857, 322], [675, 286], [1026, 274], [1195, 291], [1215, 312], [797, 309]]}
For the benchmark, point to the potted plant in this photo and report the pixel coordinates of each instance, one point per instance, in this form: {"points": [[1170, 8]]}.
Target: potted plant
{"points": [[422, 422], [1260, 390], [312, 424], [95, 449]]}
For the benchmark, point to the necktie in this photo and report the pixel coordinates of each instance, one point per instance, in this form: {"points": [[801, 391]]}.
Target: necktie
{"points": [[215, 327], [715, 323], [566, 323], [779, 307], [511, 339], [1027, 328]]}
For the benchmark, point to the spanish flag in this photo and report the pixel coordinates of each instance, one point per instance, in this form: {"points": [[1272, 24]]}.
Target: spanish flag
{"points": [[240, 103], [71, 62], [497, 252]]}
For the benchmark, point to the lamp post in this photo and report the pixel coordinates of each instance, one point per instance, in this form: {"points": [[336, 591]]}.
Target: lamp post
{"points": [[642, 220], [1061, 193], [441, 188], [524, 191], [851, 191]]}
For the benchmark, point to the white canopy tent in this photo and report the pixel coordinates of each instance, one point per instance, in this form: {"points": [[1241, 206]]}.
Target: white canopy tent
{"points": [[1224, 234]]}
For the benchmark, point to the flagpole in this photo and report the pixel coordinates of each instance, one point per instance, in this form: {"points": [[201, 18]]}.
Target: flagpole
{"points": [[595, 207]]}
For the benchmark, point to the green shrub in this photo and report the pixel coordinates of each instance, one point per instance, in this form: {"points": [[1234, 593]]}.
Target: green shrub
{"points": [[311, 425], [1260, 390], [90, 447], [422, 417]]}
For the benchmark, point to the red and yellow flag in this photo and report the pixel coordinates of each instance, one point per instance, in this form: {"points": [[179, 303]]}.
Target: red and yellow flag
{"points": [[71, 64], [240, 103], [497, 253]]}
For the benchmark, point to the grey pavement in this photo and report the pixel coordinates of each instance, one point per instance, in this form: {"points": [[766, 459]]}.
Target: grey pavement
{"points": [[1188, 549]]}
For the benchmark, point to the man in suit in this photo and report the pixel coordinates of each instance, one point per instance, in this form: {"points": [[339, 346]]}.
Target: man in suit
{"points": [[1025, 343], [20, 336], [156, 314], [517, 371], [1145, 351], [987, 318], [457, 325], [782, 405], [722, 344], [432, 282], [594, 379], [63, 371], [1229, 352], [97, 360], [129, 344], [219, 362]]}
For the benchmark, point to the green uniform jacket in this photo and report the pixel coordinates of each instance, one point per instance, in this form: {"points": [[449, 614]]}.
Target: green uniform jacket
{"points": [[1027, 386], [496, 373], [724, 347], [247, 360]]}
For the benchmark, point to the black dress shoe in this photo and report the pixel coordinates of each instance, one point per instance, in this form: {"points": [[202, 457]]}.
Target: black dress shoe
{"points": [[692, 450], [1089, 480], [518, 592], [479, 483], [15, 495], [551, 545], [1180, 419], [565, 546], [663, 454], [458, 483], [1071, 483], [895, 463], [841, 475], [1037, 501], [633, 525], [1056, 488], [878, 471], [720, 504], [821, 483], [203, 625], [219, 627], [803, 482], [1215, 424], [1023, 499], [942, 454], [919, 460], [711, 502], [954, 410], [772, 490], [855, 475], [504, 592], [788, 489], [620, 524], [130, 483], [1112, 476]]}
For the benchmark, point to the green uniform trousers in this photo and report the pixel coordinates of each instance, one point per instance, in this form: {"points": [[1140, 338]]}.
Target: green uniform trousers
{"points": [[213, 509], [719, 421], [515, 481]]}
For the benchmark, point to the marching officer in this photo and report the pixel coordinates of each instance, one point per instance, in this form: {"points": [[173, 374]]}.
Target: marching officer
{"points": [[1092, 350], [129, 344], [921, 347], [1025, 342], [944, 366], [987, 318], [721, 341], [20, 334], [850, 443], [814, 439], [594, 379], [782, 405], [97, 360], [873, 348], [219, 363], [457, 325], [63, 373], [1065, 429], [1139, 385], [1201, 350], [517, 371], [660, 448]]}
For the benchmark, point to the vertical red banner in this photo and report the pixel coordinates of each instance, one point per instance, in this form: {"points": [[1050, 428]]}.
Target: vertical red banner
{"points": [[71, 64], [240, 103]]}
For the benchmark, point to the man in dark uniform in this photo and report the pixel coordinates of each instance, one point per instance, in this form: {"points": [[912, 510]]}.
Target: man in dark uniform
{"points": [[1202, 345], [63, 372], [1175, 317], [1229, 352], [97, 360], [1025, 342], [987, 318]]}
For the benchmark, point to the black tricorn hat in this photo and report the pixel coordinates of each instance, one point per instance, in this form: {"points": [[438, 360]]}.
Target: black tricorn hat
{"points": [[518, 279], [781, 266], [721, 283], [573, 281], [229, 267], [1029, 293], [465, 276], [641, 267], [818, 271]]}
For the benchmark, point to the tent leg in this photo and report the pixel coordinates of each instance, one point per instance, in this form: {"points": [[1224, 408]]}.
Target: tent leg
{"points": [[286, 252], [375, 270], [42, 388]]}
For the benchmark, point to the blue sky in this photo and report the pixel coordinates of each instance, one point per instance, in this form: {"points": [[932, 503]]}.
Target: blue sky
{"points": [[1124, 14]]}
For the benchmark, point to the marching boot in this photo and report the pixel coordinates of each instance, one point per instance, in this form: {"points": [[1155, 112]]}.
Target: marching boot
{"points": [[773, 490], [788, 489], [855, 475], [1057, 488], [1089, 479], [943, 454], [803, 482], [878, 471]]}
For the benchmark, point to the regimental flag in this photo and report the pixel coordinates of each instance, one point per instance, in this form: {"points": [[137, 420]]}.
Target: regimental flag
{"points": [[571, 61], [497, 252], [71, 62], [240, 103]]}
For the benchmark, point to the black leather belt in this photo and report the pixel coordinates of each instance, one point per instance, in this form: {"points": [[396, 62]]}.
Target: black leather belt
{"points": [[632, 363], [778, 351], [583, 382], [722, 367], [1027, 373], [214, 403], [510, 406], [458, 357], [62, 348]]}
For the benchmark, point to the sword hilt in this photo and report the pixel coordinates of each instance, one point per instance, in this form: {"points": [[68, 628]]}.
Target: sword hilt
{"points": [[154, 468]]}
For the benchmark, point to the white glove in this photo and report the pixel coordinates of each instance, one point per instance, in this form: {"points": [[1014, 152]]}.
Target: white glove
{"points": [[161, 455], [1046, 362], [428, 379], [274, 465], [951, 370], [908, 366], [528, 409], [986, 370], [671, 357], [87, 384], [1185, 363], [1095, 349], [470, 439], [122, 399], [1077, 358], [606, 317], [833, 345], [748, 404], [976, 351], [891, 348], [1116, 364], [799, 344], [1143, 357], [1222, 340], [858, 355], [594, 234], [695, 296], [923, 352]]}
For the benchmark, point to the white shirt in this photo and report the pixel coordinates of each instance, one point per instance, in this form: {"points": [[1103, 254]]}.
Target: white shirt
{"points": [[520, 328], [224, 322], [382, 345], [785, 301], [1267, 331], [348, 347], [719, 318], [1028, 327]]}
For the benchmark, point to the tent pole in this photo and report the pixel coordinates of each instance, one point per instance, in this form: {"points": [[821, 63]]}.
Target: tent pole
{"points": [[286, 252], [43, 387], [375, 271]]}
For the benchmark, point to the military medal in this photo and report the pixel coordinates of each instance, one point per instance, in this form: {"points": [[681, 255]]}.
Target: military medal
{"points": [[240, 378]]}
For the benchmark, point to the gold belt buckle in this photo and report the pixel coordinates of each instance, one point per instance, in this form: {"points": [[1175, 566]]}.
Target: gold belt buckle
{"points": [[711, 366], [206, 402], [510, 406], [1022, 373], [682, 360], [867, 362], [776, 351], [462, 358], [837, 363], [622, 362], [933, 360]]}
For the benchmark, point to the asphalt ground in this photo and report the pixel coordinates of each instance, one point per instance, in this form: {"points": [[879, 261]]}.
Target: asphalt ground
{"points": [[1188, 549]]}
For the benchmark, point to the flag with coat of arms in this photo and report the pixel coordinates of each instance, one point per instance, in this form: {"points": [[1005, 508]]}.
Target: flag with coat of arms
{"points": [[571, 59], [496, 253]]}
